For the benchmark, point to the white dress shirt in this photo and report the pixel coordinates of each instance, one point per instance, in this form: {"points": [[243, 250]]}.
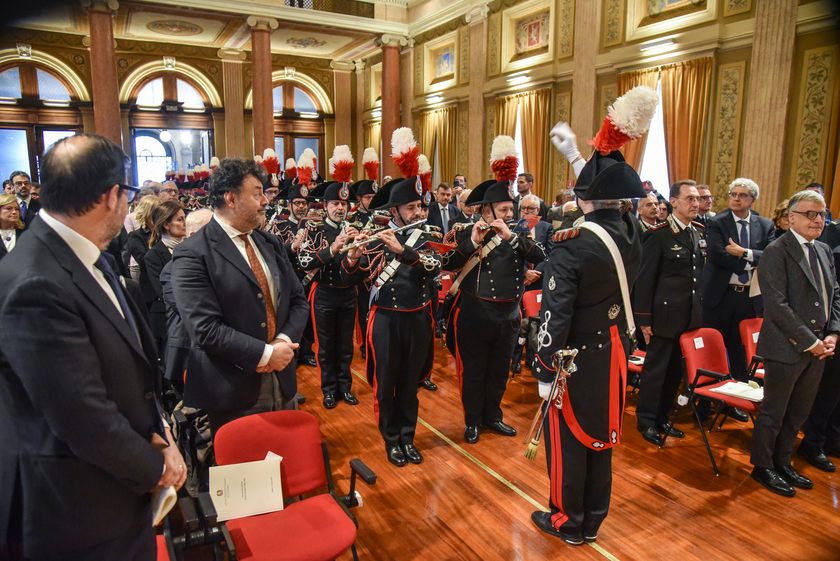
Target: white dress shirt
{"points": [[749, 258], [9, 239]]}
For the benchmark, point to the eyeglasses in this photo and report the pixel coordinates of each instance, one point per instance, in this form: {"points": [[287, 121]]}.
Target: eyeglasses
{"points": [[707, 198], [742, 196], [170, 191], [811, 214], [530, 208], [691, 200], [299, 203], [131, 191]]}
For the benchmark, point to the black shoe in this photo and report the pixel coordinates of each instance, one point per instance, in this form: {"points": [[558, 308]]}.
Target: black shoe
{"points": [[793, 478], [738, 415], [501, 428], [411, 454], [773, 481], [816, 457], [310, 361], [349, 398], [471, 435], [832, 450], [516, 367], [396, 456], [590, 537], [674, 432], [652, 436], [543, 522], [329, 401], [429, 385]]}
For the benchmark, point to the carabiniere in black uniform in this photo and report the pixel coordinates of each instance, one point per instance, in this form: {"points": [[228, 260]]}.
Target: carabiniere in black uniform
{"points": [[400, 325], [484, 321], [332, 299]]}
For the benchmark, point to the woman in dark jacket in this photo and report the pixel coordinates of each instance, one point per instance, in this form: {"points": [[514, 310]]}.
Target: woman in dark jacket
{"points": [[168, 231], [138, 240], [11, 226]]}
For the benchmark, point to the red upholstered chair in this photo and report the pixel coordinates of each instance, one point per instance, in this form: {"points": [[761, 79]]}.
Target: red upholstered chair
{"points": [[707, 368], [532, 302], [636, 367], [750, 328], [316, 528]]}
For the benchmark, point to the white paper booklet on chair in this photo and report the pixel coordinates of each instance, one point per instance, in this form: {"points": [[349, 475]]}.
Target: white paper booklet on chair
{"points": [[246, 489], [742, 390]]}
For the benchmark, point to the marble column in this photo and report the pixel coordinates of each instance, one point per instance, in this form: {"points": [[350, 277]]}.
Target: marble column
{"points": [[770, 73], [342, 78], [234, 118], [359, 122], [584, 102], [477, 165], [263, 108], [103, 69], [407, 85], [390, 45]]}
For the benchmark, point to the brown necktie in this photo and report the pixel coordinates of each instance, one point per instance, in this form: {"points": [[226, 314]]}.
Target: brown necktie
{"points": [[259, 272]]}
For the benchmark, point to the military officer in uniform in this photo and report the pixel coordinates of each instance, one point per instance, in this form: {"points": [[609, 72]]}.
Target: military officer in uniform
{"points": [[364, 190], [331, 298], [668, 304], [484, 321], [400, 327]]}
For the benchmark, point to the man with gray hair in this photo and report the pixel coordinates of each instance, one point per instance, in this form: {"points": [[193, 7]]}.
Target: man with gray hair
{"points": [[736, 239], [800, 328]]}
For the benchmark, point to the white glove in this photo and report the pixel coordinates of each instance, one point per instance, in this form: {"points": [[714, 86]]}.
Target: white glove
{"points": [[565, 140], [545, 390]]}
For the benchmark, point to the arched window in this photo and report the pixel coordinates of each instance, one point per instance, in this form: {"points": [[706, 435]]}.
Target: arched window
{"points": [[278, 99], [152, 94], [28, 82], [169, 92], [303, 102], [298, 122]]}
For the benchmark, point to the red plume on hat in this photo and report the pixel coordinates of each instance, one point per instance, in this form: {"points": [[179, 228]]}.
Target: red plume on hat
{"points": [[291, 168], [370, 161], [504, 160], [306, 167], [425, 171], [404, 151], [269, 161], [341, 164], [627, 119], [214, 163]]}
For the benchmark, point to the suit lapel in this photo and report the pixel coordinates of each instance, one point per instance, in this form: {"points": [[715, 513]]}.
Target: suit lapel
{"points": [[798, 254], [227, 249], [754, 233]]}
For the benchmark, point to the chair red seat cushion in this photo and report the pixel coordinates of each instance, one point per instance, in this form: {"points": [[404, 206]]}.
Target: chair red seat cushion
{"points": [[742, 404], [162, 551], [637, 368], [308, 530]]}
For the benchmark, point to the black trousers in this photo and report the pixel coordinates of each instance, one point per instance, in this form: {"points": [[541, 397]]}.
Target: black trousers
{"points": [[726, 317], [485, 333], [823, 424], [334, 320], [397, 347], [580, 478], [660, 380], [789, 391], [305, 349], [363, 307]]}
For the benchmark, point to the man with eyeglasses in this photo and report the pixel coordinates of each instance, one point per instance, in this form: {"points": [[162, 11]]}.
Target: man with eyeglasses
{"points": [[737, 238], [800, 329], [28, 206], [168, 192], [818, 188], [667, 304], [706, 200]]}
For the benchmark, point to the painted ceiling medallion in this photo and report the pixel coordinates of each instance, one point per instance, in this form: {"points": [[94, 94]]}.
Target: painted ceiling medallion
{"points": [[305, 43], [175, 27]]}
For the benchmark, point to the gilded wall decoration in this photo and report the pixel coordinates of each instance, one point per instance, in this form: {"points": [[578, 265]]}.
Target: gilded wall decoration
{"points": [[608, 95], [494, 45], [126, 63], [732, 7], [566, 28], [561, 167], [418, 71], [464, 47], [19, 34], [77, 60], [731, 81], [531, 33], [301, 62], [212, 71], [613, 22], [175, 27], [814, 107], [528, 35], [463, 140], [167, 49]]}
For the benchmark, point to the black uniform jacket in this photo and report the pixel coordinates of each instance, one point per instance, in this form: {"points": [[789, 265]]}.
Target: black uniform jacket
{"points": [[667, 291], [582, 308], [327, 266]]}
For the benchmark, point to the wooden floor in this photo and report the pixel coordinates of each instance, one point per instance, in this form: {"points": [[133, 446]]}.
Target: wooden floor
{"points": [[474, 501]]}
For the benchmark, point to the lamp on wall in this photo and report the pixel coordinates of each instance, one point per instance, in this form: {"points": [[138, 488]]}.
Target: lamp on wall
{"points": [[656, 44], [518, 78], [434, 98], [165, 136]]}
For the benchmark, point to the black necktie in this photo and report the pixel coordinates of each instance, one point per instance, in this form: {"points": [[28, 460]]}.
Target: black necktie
{"points": [[816, 270], [744, 238], [107, 264]]}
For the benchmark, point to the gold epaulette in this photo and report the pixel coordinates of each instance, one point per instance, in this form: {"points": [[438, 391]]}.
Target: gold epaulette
{"points": [[658, 226], [567, 234]]}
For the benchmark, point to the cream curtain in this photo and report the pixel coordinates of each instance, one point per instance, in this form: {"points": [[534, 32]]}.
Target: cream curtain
{"points": [[506, 115], [447, 131], [534, 110], [374, 134], [685, 105], [635, 149], [427, 133]]}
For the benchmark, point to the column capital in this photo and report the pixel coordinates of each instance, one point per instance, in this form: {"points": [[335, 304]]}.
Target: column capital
{"points": [[231, 55], [344, 65], [477, 14], [261, 23], [105, 6], [360, 65], [386, 40]]}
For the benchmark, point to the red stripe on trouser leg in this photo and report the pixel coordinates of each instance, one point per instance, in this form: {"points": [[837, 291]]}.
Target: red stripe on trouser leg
{"points": [[459, 364], [370, 364], [315, 344], [556, 474], [618, 380]]}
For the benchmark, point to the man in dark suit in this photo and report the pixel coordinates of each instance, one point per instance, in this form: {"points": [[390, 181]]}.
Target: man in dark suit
{"points": [[706, 199], [668, 304], [800, 328], [83, 443], [736, 240], [29, 207], [443, 212], [524, 185], [240, 301]]}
